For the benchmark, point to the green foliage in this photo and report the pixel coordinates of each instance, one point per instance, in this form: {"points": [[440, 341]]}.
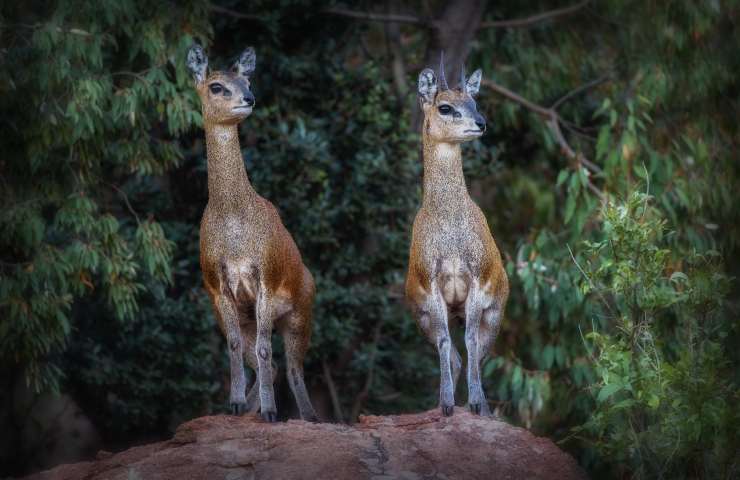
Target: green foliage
{"points": [[157, 369], [664, 402], [648, 128], [83, 85]]}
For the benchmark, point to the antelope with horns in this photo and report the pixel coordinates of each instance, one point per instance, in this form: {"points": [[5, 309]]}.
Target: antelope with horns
{"points": [[455, 271], [252, 269]]}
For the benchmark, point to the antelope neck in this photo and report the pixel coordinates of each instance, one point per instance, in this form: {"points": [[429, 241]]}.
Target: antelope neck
{"points": [[443, 172], [227, 177]]}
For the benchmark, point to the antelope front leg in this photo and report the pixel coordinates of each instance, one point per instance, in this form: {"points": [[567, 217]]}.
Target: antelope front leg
{"points": [[264, 357], [456, 366], [249, 340], [446, 390], [253, 394], [436, 319], [473, 313], [228, 313]]}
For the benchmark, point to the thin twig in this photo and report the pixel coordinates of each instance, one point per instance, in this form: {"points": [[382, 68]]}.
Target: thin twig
{"points": [[585, 344], [577, 130], [554, 125], [137, 75], [234, 13], [125, 199], [336, 405], [583, 88], [534, 19], [590, 282], [515, 97], [590, 165], [73, 30], [647, 192], [362, 396], [583, 272], [15, 264], [377, 17], [414, 20]]}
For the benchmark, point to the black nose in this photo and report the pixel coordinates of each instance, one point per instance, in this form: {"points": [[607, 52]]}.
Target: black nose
{"points": [[481, 122], [249, 99]]}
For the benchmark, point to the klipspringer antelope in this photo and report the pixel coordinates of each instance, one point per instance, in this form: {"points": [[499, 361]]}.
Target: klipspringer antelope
{"points": [[455, 270], [252, 269]]}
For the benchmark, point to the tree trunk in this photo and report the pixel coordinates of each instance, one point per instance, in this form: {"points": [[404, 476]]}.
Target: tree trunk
{"points": [[451, 32]]}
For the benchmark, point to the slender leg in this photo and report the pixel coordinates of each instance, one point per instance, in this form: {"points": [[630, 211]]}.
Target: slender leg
{"points": [[456, 366], [296, 337], [249, 340], [227, 311], [264, 357], [253, 394], [491, 321], [473, 313], [438, 319], [433, 322]]}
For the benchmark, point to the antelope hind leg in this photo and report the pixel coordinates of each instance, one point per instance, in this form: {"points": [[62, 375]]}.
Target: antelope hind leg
{"points": [[226, 309], [473, 314], [489, 327], [296, 337]]}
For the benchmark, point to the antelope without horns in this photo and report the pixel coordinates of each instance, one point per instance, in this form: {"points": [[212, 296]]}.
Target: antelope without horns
{"points": [[252, 269]]}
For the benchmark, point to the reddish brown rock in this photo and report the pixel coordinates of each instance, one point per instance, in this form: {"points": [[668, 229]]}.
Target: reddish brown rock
{"points": [[417, 446]]}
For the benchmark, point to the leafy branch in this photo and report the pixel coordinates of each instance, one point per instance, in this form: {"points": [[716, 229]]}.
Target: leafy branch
{"points": [[553, 120]]}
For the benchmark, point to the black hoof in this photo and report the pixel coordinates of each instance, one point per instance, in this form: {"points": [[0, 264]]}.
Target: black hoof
{"points": [[238, 409], [448, 410], [475, 408], [270, 417]]}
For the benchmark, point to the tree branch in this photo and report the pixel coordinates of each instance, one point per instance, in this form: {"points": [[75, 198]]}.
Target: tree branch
{"points": [[414, 20], [362, 396], [515, 97], [377, 17], [577, 91], [552, 121], [73, 31], [233, 13], [534, 19], [125, 199], [336, 404]]}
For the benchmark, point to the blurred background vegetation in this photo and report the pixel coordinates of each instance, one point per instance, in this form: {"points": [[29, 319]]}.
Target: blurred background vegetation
{"points": [[609, 177]]}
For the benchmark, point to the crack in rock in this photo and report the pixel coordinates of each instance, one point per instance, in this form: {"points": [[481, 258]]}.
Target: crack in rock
{"points": [[376, 459]]}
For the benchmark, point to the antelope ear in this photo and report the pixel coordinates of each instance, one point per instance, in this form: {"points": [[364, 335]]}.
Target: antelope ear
{"points": [[427, 85], [246, 63], [473, 84], [198, 63]]}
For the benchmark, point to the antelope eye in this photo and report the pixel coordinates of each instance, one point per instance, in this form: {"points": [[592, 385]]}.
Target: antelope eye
{"points": [[445, 109], [215, 88]]}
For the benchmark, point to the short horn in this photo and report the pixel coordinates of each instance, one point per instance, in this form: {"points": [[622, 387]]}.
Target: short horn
{"points": [[442, 79], [463, 82]]}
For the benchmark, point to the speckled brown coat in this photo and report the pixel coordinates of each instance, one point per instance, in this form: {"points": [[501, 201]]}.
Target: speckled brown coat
{"points": [[252, 268], [455, 269]]}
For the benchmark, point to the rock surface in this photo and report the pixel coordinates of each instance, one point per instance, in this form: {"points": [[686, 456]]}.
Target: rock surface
{"points": [[414, 446]]}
